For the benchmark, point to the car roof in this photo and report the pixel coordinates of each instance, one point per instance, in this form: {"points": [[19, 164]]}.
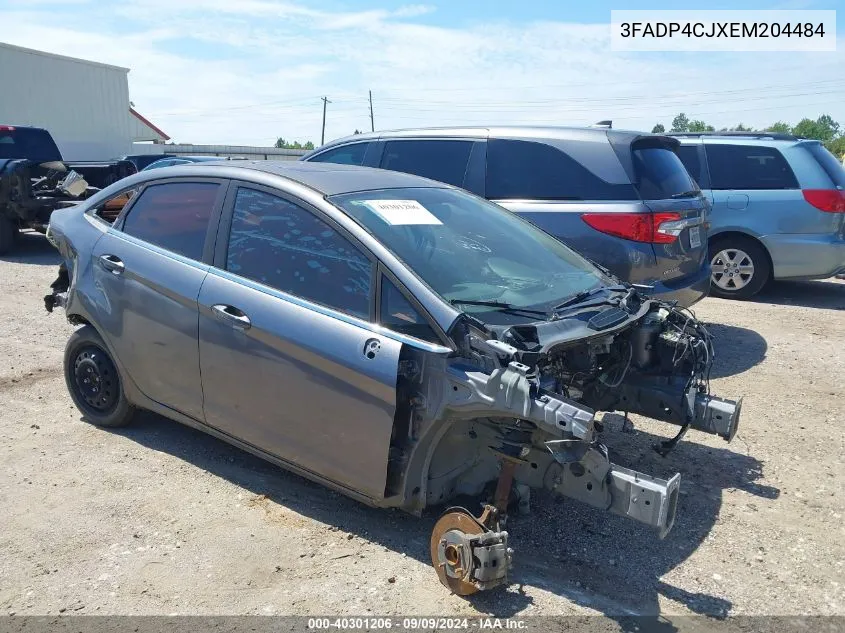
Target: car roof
{"points": [[584, 133], [328, 179]]}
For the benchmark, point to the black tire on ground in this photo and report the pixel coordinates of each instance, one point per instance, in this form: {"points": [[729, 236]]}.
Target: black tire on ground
{"points": [[740, 267], [8, 234], [93, 380]]}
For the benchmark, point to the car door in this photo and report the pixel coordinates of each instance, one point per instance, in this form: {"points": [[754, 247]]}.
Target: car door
{"points": [[753, 187], [149, 267], [290, 361]]}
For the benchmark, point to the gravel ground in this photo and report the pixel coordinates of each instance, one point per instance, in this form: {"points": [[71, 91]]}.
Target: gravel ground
{"points": [[161, 519]]}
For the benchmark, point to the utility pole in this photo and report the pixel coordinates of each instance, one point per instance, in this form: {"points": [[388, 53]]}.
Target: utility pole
{"points": [[372, 122], [323, 135]]}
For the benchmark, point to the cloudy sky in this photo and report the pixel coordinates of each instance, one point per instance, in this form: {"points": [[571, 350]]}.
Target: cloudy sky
{"points": [[249, 71]]}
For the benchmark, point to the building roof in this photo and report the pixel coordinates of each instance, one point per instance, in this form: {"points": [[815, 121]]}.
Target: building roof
{"points": [[157, 133], [33, 51]]}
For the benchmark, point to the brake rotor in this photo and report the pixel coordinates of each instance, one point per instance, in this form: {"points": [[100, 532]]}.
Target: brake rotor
{"points": [[450, 555]]}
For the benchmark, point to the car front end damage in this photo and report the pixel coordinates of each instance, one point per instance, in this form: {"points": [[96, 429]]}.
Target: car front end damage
{"points": [[517, 406]]}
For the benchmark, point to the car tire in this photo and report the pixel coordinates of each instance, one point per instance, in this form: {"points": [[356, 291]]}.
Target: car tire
{"points": [[8, 234], [94, 382], [740, 267]]}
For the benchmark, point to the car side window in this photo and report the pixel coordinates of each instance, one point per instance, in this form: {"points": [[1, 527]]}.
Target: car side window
{"points": [[282, 245], [692, 161], [399, 314], [445, 161], [748, 167], [527, 170], [113, 207], [174, 216], [352, 154]]}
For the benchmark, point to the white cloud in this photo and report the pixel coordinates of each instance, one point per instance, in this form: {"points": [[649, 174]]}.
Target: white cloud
{"points": [[249, 71]]}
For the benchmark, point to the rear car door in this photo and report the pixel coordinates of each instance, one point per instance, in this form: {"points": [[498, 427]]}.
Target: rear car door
{"points": [[754, 189], [150, 268], [291, 363]]}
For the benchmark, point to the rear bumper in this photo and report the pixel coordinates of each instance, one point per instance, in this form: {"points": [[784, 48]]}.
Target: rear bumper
{"points": [[685, 291], [807, 256]]}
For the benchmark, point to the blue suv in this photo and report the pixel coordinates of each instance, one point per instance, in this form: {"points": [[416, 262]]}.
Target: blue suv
{"points": [[778, 208]]}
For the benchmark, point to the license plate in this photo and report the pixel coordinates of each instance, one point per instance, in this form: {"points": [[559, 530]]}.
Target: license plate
{"points": [[695, 237]]}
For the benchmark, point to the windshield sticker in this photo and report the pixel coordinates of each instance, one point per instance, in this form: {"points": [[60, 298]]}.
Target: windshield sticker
{"points": [[402, 212]]}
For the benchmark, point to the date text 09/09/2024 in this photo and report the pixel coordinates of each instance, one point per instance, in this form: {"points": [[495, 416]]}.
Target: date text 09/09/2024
{"points": [[415, 623]]}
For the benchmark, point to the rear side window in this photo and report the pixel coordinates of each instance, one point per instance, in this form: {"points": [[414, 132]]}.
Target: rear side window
{"points": [[829, 163], [660, 174], [174, 216], [399, 315], [286, 247], [748, 167], [691, 158], [445, 161], [352, 154], [526, 170], [113, 207]]}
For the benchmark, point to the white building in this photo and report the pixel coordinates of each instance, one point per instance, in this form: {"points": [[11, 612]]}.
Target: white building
{"points": [[84, 105]]}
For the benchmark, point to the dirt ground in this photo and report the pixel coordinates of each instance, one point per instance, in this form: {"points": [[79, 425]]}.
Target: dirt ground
{"points": [[161, 519]]}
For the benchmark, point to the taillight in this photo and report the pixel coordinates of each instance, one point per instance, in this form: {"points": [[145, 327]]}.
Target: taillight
{"points": [[639, 227], [7, 128], [829, 200]]}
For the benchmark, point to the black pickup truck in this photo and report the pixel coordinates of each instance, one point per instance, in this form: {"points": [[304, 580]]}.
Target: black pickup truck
{"points": [[35, 180]]}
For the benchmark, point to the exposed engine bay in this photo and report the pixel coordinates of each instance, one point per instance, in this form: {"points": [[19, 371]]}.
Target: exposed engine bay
{"points": [[517, 407]]}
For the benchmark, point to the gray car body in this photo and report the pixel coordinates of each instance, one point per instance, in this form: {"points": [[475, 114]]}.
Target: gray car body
{"points": [[675, 271], [316, 390], [801, 241]]}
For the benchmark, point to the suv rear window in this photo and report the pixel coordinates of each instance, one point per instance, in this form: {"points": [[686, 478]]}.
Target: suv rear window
{"points": [[660, 173], [352, 154], [828, 161], [691, 159], [445, 161], [527, 170], [748, 167], [34, 144]]}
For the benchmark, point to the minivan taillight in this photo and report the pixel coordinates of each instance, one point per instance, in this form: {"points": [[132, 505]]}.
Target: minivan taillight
{"points": [[829, 200], [639, 227]]}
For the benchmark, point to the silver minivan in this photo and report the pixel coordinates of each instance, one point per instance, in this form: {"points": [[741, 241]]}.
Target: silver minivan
{"points": [[622, 199]]}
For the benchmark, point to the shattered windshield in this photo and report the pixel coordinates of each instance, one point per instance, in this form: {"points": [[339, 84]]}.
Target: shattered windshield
{"points": [[471, 251]]}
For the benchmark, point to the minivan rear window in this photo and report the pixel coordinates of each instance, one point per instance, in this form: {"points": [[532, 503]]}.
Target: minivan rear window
{"points": [[441, 160], [527, 170], [828, 161], [660, 174], [748, 167]]}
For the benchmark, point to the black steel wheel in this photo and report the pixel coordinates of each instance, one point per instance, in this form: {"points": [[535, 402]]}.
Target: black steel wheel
{"points": [[93, 380]]}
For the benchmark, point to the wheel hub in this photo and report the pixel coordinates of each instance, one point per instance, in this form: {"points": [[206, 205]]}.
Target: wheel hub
{"points": [[95, 379], [732, 269]]}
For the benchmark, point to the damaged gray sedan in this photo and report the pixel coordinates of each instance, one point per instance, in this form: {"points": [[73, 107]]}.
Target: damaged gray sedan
{"points": [[399, 340]]}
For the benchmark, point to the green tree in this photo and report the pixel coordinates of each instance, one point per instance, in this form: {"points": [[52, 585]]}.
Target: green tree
{"points": [[823, 129], [699, 126], [742, 128], [680, 123], [658, 129], [837, 147], [283, 144], [781, 127]]}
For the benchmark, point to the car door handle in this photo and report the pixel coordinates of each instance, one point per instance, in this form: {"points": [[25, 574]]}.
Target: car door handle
{"points": [[112, 263], [232, 315]]}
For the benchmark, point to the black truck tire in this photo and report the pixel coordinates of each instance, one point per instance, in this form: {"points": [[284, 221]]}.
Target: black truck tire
{"points": [[8, 234]]}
